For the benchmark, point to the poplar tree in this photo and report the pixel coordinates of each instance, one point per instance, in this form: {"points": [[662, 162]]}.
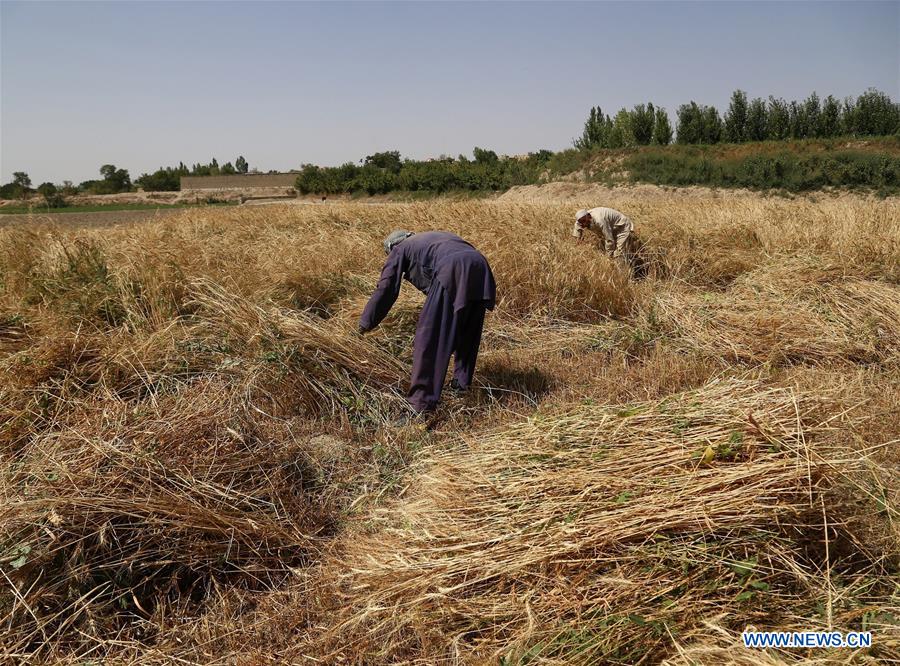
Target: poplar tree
{"points": [[736, 118], [662, 128], [642, 118], [779, 119], [757, 120]]}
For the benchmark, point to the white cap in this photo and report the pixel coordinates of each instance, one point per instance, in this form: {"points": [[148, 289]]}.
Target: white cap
{"points": [[580, 214]]}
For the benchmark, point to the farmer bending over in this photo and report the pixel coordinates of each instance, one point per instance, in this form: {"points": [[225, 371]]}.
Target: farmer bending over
{"points": [[614, 228], [458, 286]]}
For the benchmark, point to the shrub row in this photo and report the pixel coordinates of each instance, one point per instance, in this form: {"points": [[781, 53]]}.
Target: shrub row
{"points": [[780, 170]]}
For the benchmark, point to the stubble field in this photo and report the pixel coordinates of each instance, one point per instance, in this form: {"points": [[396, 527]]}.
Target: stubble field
{"points": [[197, 462]]}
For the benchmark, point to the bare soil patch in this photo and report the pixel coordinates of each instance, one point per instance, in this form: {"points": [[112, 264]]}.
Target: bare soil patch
{"points": [[90, 219]]}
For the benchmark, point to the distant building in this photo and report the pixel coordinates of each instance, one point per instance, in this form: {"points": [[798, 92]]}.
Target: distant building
{"points": [[238, 181]]}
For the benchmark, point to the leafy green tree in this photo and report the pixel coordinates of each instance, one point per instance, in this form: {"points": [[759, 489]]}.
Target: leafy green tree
{"points": [[812, 110], [114, 181], [607, 130], [120, 180], [211, 169], [757, 120], [736, 118], [713, 128], [228, 169], [642, 119], [21, 185], [699, 124], [848, 115], [438, 175], [595, 131], [662, 128], [830, 118], [541, 157], [795, 114], [309, 181], [621, 133], [388, 160], [373, 180], [46, 189], [484, 156], [779, 119], [347, 172], [689, 123], [52, 196], [615, 137], [875, 114], [21, 179], [800, 121], [162, 180], [18, 188]]}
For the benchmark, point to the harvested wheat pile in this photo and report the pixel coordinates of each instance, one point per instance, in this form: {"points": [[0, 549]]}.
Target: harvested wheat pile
{"points": [[597, 535], [707, 243], [142, 469], [790, 313], [198, 461]]}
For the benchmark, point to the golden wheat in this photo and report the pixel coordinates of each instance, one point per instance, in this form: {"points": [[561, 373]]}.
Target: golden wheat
{"points": [[197, 464]]}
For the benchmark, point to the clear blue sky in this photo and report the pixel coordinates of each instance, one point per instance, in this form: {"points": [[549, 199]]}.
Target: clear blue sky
{"points": [[145, 84]]}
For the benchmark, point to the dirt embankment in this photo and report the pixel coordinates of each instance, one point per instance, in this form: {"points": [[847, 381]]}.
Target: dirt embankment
{"points": [[581, 191], [106, 218], [570, 189], [166, 198]]}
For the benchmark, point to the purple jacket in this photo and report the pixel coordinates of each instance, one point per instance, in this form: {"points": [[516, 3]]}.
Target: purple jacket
{"points": [[428, 257]]}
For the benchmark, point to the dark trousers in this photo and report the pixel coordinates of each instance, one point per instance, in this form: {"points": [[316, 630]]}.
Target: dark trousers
{"points": [[440, 333]]}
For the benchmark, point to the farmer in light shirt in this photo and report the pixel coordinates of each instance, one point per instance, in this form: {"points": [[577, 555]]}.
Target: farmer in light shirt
{"points": [[613, 227]]}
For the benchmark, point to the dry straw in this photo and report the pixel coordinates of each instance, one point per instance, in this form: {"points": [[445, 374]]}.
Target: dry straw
{"points": [[594, 535], [789, 313], [196, 461]]}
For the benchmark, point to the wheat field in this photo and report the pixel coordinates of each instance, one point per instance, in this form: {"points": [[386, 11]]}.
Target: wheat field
{"points": [[198, 463]]}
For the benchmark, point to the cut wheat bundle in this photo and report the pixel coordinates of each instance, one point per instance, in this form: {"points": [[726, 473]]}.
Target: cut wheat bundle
{"points": [[595, 534], [788, 314]]}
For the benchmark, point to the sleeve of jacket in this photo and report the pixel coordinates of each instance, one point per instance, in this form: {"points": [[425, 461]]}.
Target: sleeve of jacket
{"points": [[385, 294]]}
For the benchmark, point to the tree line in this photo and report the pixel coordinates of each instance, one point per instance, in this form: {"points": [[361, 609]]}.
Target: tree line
{"points": [[871, 114], [168, 179], [774, 167], [376, 174], [114, 180], [385, 172]]}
